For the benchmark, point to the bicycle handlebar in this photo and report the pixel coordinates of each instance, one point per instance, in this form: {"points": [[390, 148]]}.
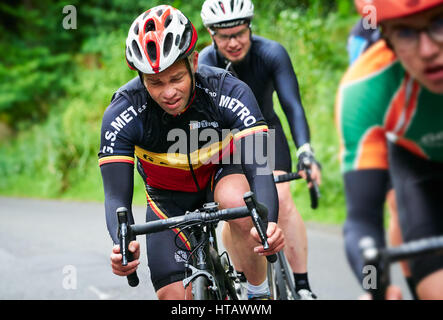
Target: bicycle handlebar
{"points": [[128, 232], [382, 257], [405, 251], [314, 191]]}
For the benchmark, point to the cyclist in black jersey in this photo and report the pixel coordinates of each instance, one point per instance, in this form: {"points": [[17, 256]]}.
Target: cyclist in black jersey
{"points": [[265, 66], [182, 122]]}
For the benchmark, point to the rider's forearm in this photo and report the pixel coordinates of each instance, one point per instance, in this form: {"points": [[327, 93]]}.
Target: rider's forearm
{"points": [[118, 180], [298, 124], [365, 196], [259, 174]]}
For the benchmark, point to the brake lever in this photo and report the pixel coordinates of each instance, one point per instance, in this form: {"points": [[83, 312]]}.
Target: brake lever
{"points": [[124, 235], [260, 223], [314, 190]]}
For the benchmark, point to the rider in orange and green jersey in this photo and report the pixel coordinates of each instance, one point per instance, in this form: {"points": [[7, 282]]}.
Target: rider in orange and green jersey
{"points": [[389, 115]]}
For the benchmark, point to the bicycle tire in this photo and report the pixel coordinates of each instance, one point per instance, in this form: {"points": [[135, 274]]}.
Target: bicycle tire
{"points": [[229, 283], [281, 283], [200, 289], [289, 280], [271, 281]]}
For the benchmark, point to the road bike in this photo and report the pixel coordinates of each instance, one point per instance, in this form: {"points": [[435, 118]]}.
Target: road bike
{"points": [[211, 274]]}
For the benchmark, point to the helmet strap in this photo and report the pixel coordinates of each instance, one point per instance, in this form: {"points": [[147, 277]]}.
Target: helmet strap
{"points": [[190, 68]]}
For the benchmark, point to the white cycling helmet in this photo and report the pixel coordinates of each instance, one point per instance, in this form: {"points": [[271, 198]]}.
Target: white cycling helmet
{"points": [[158, 38], [226, 13]]}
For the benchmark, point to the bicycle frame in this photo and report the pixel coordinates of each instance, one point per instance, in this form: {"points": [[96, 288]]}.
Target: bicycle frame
{"points": [[205, 283]]}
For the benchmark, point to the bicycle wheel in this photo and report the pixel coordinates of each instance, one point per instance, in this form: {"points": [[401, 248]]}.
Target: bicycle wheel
{"points": [[200, 289], [272, 281], [228, 280], [281, 282]]}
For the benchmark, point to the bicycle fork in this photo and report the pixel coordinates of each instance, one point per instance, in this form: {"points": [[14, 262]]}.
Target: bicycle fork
{"points": [[204, 283]]}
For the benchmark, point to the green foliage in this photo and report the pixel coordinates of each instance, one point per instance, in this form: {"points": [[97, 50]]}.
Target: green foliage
{"points": [[56, 84]]}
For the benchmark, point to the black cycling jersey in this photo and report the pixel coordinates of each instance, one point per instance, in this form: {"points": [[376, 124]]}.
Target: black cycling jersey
{"points": [[135, 123], [223, 110], [267, 68]]}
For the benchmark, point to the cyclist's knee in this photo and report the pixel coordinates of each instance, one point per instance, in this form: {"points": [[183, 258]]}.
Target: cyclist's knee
{"points": [[286, 208], [229, 191], [285, 202]]}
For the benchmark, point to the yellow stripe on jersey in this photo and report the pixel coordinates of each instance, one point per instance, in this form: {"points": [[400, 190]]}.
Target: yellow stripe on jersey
{"points": [[180, 160], [244, 133], [112, 159]]}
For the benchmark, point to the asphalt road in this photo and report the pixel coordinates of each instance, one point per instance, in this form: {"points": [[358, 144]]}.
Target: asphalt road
{"points": [[60, 250]]}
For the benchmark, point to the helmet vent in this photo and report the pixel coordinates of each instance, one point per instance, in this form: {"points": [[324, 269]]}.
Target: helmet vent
{"points": [[167, 44], [150, 26], [177, 40], [182, 19], [168, 21], [136, 29], [185, 40], [146, 14], [160, 12], [136, 50], [222, 6], [151, 48], [232, 5]]}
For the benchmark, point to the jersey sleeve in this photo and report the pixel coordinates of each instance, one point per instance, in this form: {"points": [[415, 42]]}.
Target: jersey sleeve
{"points": [[288, 91], [239, 108], [121, 129]]}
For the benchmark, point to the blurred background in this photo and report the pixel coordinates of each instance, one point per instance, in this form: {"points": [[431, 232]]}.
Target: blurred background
{"points": [[56, 83]]}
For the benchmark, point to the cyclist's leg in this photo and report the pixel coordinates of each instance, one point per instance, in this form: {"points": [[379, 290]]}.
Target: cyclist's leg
{"points": [[296, 248], [228, 192], [290, 220], [229, 186], [418, 184], [396, 239], [165, 259]]}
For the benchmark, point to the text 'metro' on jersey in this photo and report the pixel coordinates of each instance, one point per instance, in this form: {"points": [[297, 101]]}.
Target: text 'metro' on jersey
{"points": [[179, 153]]}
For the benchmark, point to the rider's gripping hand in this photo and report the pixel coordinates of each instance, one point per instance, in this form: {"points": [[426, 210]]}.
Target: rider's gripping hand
{"points": [[306, 160], [276, 240], [116, 259]]}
